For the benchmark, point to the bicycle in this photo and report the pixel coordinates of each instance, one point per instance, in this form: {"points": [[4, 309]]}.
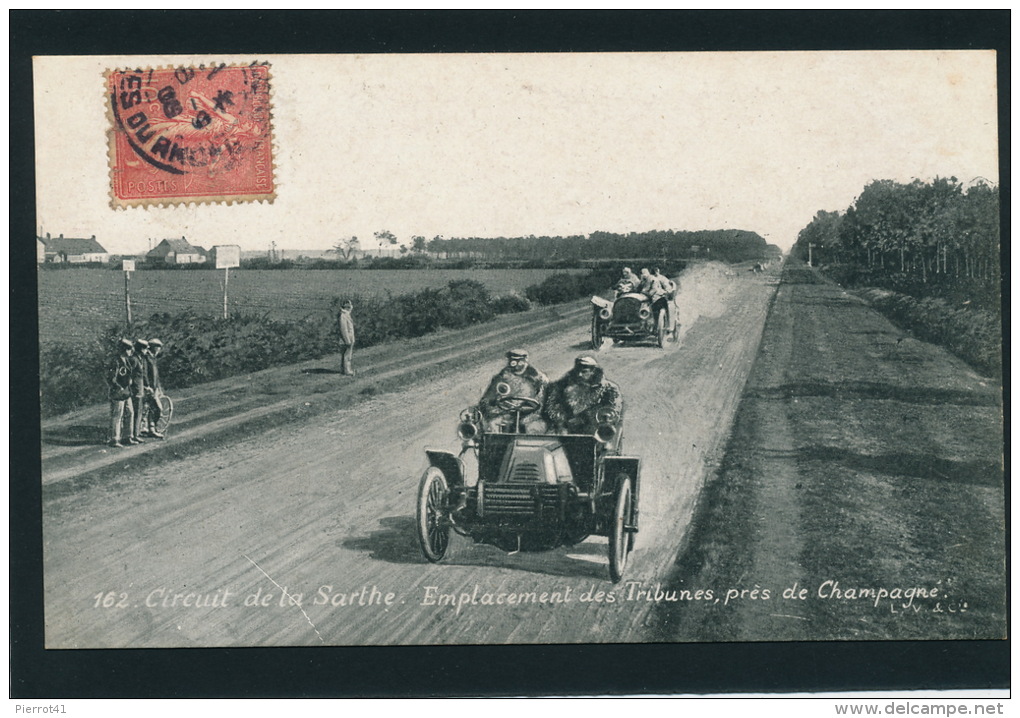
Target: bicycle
{"points": [[166, 412]]}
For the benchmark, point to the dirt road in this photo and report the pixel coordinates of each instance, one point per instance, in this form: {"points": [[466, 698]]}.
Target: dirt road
{"points": [[301, 533], [861, 461]]}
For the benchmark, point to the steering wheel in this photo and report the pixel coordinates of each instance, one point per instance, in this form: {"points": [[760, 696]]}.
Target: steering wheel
{"points": [[523, 404]]}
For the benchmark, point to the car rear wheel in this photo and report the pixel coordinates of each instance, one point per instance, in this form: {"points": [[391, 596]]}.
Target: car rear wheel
{"points": [[620, 540], [674, 336], [433, 514]]}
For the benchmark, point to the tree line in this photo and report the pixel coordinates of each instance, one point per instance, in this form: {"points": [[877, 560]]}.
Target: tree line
{"points": [[926, 255], [924, 232], [731, 245]]}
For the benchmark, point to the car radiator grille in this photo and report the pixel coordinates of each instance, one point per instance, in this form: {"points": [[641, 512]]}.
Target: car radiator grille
{"points": [[519, 500], [626, 312]]}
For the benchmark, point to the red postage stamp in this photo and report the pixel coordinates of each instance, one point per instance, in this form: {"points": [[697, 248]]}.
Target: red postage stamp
{"points": [[190, 134]]}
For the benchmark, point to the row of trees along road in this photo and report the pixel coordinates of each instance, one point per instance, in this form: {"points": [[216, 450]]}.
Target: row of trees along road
{"points": [[725, 245], [927, 231]]}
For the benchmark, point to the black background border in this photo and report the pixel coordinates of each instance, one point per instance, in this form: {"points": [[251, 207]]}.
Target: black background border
{"points": [[629, 669]]}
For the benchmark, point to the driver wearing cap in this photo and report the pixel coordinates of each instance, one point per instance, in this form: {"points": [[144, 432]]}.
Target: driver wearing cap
{"points": [[572, 401], [517, 379]]}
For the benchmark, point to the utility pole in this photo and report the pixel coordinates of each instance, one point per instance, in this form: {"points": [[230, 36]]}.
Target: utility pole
{"points": [[226, 279]]}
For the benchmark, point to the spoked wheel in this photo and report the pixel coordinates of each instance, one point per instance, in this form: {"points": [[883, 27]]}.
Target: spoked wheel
{"points": [[660, 329], [597, 338], [621, 541], [166, 413], [433, 514]]}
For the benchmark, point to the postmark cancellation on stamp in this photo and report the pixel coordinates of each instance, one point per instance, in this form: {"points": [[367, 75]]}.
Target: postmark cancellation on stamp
{"points": [[190, 134]]}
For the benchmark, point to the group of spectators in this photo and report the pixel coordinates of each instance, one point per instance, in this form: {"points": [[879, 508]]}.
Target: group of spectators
{"points": [[565, 406], [134, 387]]}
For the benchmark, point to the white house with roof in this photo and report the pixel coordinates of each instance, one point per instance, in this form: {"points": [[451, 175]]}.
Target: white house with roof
{"points": [[71, 250], [175, 251]]}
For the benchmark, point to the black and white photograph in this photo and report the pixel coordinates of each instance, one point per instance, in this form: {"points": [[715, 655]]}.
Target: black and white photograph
{"points": [[430, 349]]}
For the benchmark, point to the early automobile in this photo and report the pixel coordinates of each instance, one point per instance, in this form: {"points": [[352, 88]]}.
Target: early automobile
{"points": [[533, 492], [633, 317]]}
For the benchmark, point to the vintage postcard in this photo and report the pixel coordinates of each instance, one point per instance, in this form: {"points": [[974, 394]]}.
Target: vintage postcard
{"points": [[518, 349]]}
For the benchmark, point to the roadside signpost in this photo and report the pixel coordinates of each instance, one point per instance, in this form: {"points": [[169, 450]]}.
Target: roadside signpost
{"points": [[226, 256], [128, 266]]}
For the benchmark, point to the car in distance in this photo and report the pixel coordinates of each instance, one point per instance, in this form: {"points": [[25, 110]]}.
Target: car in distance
{"points": [[633, 317]]}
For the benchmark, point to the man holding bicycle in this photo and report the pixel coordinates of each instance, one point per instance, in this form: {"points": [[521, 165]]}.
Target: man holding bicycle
{"points": [[153, 387]]}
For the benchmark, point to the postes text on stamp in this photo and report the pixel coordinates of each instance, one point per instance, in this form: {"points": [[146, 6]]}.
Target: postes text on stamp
{"points": [[190, 134]]}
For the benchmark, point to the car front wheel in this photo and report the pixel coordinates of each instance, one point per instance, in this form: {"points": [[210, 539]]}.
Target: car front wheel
{"points": [[620, 540], [597, 339], [433, 521]]}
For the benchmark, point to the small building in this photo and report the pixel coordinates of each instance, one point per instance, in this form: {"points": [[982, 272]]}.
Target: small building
{"points": [[175, 252], [70, 250]]}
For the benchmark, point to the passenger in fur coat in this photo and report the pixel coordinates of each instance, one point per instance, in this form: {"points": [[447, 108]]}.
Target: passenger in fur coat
{"points": [[571, 401]]}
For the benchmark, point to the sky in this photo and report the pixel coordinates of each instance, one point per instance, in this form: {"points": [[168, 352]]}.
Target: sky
{"points": [[547, 144]]}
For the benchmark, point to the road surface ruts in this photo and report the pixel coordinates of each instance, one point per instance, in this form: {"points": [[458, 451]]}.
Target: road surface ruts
{"points": [[74, 444], [330, 502]]}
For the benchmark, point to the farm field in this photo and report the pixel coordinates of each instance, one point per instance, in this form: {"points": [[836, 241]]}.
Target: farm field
{"points": [[75, 304]]}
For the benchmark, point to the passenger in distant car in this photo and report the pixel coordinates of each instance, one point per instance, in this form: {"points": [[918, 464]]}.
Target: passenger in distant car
{"points": [[628, 282], [647, 283], [663, 295]]}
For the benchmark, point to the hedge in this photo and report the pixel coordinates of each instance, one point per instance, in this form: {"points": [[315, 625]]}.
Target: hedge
{"points": [[974, 335], [200, 348]]}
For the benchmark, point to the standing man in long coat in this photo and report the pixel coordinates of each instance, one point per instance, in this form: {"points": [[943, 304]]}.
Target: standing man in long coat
{"points": [[346, 323], [153, 387]]}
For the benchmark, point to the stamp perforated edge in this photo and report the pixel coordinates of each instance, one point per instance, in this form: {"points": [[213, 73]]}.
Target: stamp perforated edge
{"points": [[170, 202]]}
